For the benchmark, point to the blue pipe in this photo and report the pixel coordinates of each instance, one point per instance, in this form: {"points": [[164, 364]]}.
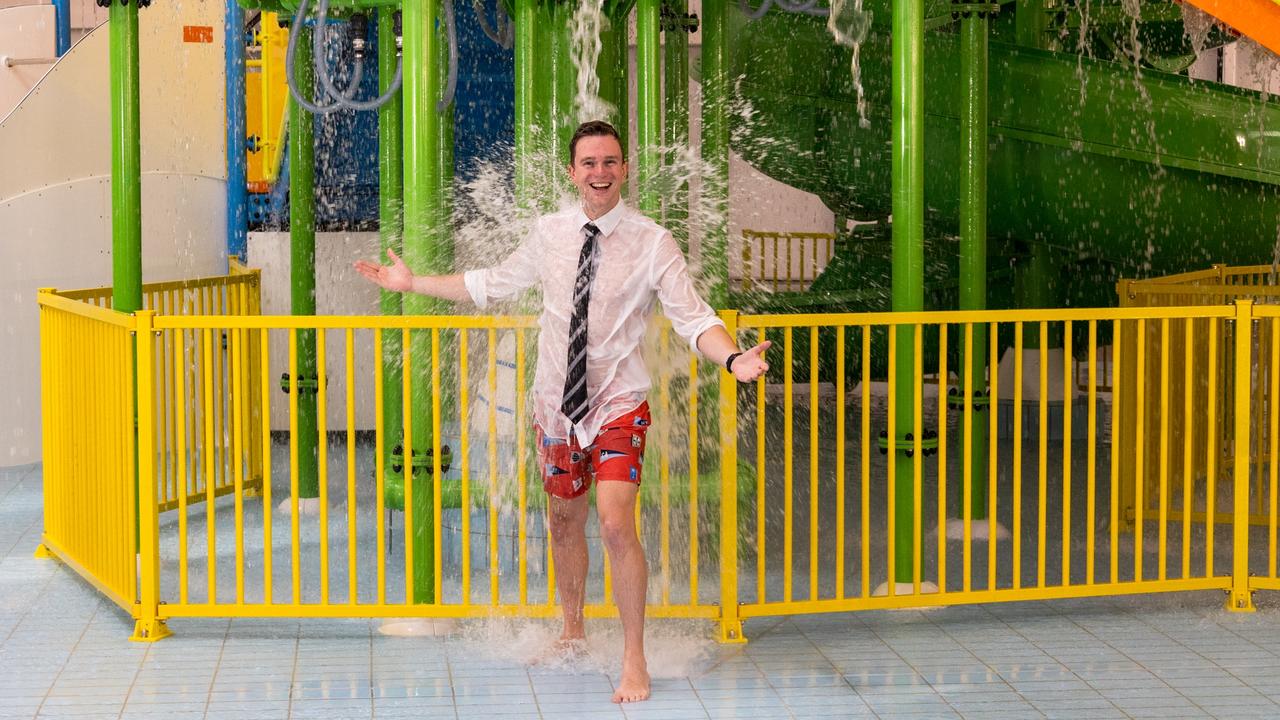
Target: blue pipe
{"points": [[62, 13], [237, 182]]}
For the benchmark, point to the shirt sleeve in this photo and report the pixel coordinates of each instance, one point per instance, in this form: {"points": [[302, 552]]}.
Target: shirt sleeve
{"points": [[519, 271], [690, 315]]}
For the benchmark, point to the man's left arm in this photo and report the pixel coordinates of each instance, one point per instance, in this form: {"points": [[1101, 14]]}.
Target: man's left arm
{"points": [[694, 319]]}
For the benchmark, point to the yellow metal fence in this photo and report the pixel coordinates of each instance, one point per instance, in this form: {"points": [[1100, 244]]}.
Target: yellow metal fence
{"points": [[762, 500]]}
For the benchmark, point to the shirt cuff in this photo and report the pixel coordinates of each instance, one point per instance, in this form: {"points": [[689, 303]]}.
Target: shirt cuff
{"points": [[703, 327], [475, 283]]}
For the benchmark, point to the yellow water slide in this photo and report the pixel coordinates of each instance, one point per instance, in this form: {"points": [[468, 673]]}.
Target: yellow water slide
{"points": [[1255, 19]]}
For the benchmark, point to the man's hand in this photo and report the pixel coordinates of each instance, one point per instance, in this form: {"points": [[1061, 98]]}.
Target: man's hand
{"points": [[395, 277], [750, 364]]}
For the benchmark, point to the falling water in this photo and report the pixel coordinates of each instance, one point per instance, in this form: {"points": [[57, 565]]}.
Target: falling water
{"points": [[849, 24], [587, 24]]}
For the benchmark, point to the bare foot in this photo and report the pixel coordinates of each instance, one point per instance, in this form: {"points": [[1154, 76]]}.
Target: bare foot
{"points": [[561, 651], [634, 685]]}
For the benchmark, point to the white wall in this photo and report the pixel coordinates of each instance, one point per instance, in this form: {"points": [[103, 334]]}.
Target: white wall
{"points": [[26, 32], [55, 197]]}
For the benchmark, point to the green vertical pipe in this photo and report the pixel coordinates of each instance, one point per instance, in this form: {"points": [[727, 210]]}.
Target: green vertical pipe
{"points": [[675, 68], [715, 149], [614, 67], [390, 228], [424, 255], [973, 229], [547, 167], [648, 105], [302, 262], [526, 69], [126, 161], [908, 252], [1034, 286], [1031, 23], [564, 83]]}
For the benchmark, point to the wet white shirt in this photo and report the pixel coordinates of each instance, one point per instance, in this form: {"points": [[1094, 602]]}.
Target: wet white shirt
{"points": [[639, 263]]}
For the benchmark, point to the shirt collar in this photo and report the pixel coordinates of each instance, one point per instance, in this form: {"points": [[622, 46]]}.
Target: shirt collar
{"points": [[606, 222]]}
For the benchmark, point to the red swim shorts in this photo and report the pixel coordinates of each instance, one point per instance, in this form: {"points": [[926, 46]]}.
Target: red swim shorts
{"points": [[616, 455]]}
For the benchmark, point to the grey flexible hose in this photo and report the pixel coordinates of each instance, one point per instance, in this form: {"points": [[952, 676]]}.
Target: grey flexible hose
{"points": [[346, 101], [290, 48], [502, 35], [805, 7], [452, 85]]}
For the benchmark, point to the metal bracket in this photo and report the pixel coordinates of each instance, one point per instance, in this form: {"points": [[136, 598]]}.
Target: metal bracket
{"points": [[962, 8], [305, 384], [669, 20], [422, 459], [907, 443], [123, 3], [980, 400]]}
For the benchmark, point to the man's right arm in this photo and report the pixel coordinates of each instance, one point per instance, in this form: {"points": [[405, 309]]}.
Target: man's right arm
{"points": [[445, 287]]}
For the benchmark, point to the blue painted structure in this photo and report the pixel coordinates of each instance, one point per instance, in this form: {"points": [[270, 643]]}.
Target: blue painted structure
{"points": [[62, 18], [237, 181]]}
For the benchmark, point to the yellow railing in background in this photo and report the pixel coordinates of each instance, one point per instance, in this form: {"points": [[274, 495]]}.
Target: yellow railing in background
{"points": [[786, 509], [783, 261], [178, 375]]}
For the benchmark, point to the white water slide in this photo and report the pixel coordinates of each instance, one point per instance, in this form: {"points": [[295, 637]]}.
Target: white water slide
{"points": [[55, 180]]}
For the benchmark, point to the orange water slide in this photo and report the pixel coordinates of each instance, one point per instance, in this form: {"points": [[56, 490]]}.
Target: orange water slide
{"points": [[1256, 19]]}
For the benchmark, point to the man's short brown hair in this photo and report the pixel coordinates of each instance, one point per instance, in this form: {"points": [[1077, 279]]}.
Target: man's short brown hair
{"points": [[594, 128]]}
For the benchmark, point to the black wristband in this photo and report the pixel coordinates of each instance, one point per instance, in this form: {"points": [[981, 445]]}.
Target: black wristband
{"points": [[728, 362]]}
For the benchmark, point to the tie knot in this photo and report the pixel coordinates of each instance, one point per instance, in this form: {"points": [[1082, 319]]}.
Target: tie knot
{"points": [[591, 230]]}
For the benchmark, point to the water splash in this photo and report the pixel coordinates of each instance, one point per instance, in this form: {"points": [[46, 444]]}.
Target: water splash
{"points": [[1198, 24]]}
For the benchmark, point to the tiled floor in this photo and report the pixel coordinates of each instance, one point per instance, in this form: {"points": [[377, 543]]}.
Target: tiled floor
{"points": [[64, 653]]}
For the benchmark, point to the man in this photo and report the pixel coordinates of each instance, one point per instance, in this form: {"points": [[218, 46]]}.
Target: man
{"points": [[601, 267]]}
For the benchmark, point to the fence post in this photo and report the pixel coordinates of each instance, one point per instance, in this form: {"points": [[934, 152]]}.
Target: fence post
{"points": [[1241, 598], [730, 623], [149, 627]]}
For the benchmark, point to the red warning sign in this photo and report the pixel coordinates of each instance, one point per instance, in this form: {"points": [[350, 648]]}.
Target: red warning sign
{"points": [[197, 33]]}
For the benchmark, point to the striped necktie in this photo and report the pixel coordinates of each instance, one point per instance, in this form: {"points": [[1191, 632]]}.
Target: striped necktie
{"points": [[574, 404]]}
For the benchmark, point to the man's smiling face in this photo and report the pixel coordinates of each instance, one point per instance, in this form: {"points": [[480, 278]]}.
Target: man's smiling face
{"points": [[598, 170]]}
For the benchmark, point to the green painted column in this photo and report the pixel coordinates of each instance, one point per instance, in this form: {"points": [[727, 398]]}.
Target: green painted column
{"points": [[908, 254], [1036, 287], [390, 229], [302, 264], [973, 233], [126, 160], [613, 67], [426, 255], [715, 148], [648, 105], [526, 70], [675, 67]]}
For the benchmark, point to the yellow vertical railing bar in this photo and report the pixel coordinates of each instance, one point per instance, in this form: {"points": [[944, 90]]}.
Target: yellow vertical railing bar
{"points": [[865, 523], [180, 433], [840, 451], [1258, 439], [1188, 439], [1091, 472], [264, 385], [237, 450], [1140, 436], [322, 450], [777, 263], [168, 406], [966, 510], [943, 389], [218, 477], [1068, 356], [1042, 459], [352, 529], [1017, 454], [917, 518], [464, 460], [1241, 596], [664, 464], [747, 272], [693, 478], [379, 468], [730, 624], [1162, 544], [437, 468], [295, 540], [1273, 421], [521, 480], [211, 528], [993, 450], [491, 371], [891, 465], [1212, 433], [407, 468], [761, 532], [1116, 326], [788, 446], [813, 463], [148, 512]]}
